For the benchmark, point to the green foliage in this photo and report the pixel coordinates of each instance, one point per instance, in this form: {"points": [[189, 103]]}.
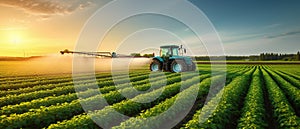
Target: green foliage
{"points": [[290, 79], [220, 110], [50, 101], [290, 91], [131, 107], [282, 110], [48, 116], [135, 54], [18, 98], [182, 102], [253, 112]]}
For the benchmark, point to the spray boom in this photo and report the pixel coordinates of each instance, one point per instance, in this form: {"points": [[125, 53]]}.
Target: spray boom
{"points": [[101, 54]]}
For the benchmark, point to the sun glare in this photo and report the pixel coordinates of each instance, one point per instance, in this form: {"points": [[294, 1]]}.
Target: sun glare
{"points": [[16, 40]]}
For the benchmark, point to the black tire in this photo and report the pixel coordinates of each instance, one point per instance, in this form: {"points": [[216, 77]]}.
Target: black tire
{"points": [[155, 66], [193, 67], [177, 66]]}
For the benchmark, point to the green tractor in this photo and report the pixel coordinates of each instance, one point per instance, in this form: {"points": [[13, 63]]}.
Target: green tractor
{"points": [[171, 59]]}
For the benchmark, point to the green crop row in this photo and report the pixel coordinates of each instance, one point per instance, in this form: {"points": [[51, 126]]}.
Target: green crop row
{"points": [[290, 74], [292, 93], [126, 107], [15, 80], [22, 79], [221, 109], [253, 112], [35, 88], [111, 82], [289, 69], [44, 116], [67, 81], [15, 99], [178, 105], [129, 107], [59, 82], [48, 86], [290, 79], [47, 101], [282, 110], [254, 97], [4, 87]]}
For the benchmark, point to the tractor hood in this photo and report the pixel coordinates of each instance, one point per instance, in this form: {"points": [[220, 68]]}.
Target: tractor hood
{"points": [[187, 60]]}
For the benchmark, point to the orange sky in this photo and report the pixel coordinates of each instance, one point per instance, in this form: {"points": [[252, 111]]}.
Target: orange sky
{"points": [[45, 27], [32, 31], [34, 28]]}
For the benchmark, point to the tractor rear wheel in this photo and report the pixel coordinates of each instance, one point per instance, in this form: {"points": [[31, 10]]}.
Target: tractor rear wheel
{"points": [[177, 66], [155, 66], [193, 67]]}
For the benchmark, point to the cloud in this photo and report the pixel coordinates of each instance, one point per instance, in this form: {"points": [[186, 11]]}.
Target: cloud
{"points": [[227, 38], [232, 36], [46, 8], [284, 34], [12, 28], [232, 39], [272, 26]]}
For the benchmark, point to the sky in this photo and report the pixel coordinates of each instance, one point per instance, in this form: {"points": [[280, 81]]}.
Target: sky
{"points": [[44, 27]]}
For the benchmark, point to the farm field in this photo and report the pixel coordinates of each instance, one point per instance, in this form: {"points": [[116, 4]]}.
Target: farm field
{"points": [[254, 96]]}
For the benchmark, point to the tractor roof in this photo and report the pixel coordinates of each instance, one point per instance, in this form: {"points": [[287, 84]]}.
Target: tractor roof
{"points": [[168, 46]]}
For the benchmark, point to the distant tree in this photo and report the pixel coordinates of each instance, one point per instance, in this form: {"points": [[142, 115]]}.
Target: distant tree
{"points": [[298, 56], [262, 56], [254, 58], [135, 54], [148, 55]]}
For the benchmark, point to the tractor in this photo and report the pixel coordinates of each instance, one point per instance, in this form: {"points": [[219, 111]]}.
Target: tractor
{"points": [[171, 59]]}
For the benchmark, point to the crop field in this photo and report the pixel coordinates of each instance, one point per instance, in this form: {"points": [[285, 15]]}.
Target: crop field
{"points": [[254, 96]]}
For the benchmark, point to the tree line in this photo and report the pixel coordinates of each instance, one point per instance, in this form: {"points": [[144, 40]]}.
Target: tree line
{"points": [[261, 57], [276, 56]]}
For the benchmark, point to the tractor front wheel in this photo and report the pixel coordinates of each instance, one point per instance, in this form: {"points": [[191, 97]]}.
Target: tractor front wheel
{"points": [[177, 66], [155, 66]]}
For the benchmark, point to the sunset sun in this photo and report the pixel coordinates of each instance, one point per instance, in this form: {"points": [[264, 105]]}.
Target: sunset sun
{"points": [[16, 37], [16, 40]]}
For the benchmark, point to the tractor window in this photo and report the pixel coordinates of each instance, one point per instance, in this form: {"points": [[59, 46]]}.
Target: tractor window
{"points": [[175, 52], [165, 51]]}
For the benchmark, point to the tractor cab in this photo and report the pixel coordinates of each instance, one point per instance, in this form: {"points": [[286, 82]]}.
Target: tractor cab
{"points": [[171, 50], [171, 59]]}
